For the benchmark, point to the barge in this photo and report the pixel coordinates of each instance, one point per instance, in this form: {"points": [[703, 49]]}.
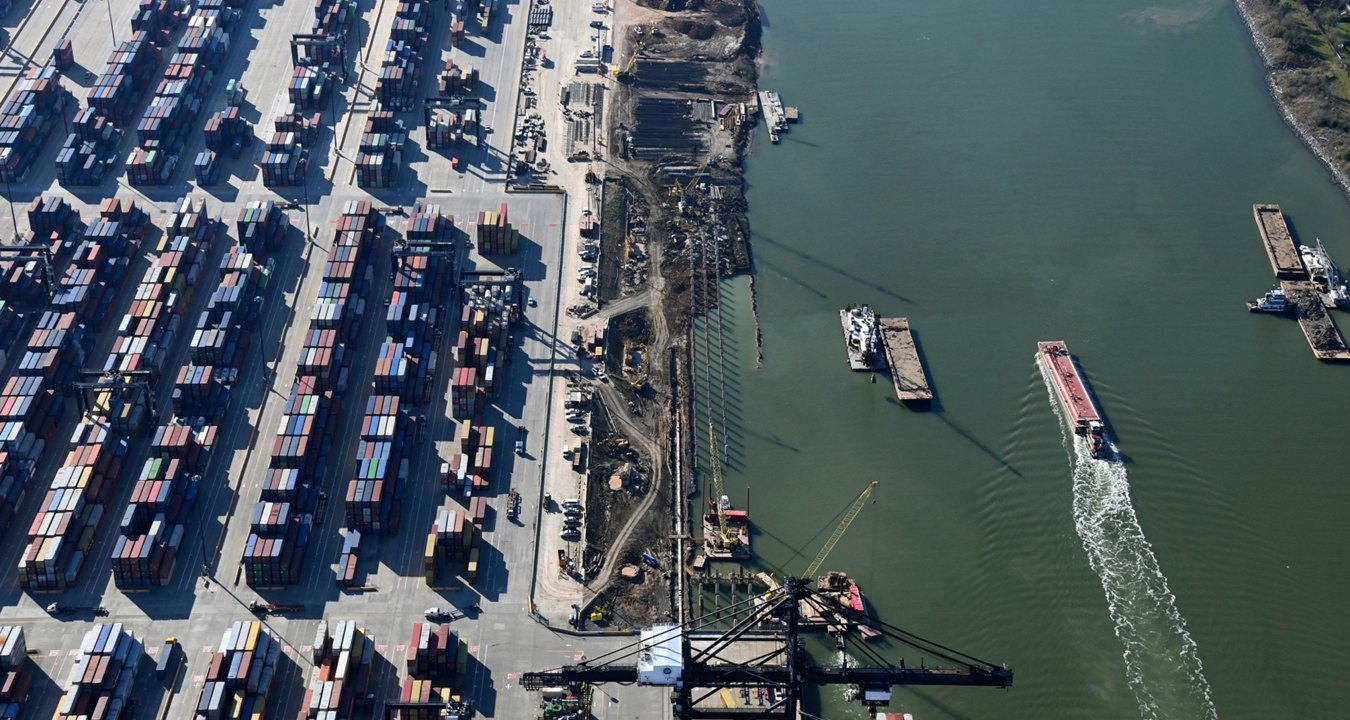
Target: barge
{"points": [[1066, 377], [862, 338], [1305, 299], [902, 354], [1284, 256]]}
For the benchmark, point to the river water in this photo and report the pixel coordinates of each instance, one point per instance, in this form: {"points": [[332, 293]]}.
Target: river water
{"points": [[1003, 173]]}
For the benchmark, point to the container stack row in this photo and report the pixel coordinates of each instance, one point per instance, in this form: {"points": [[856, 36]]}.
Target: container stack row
{"points": [[284, 161], [401, 66], [471, 459], [381, 151], [152, 528], [340, 678], [457, 79], [445, 128], [178, 97], [15, 677], [261, 227], [434, 653], [274, 554], [348, 556], [454, 535], [100, 682], [240, 674], [415, 317], [478, 353], [35, 106], [495, 234], [62, 531], [332, 20], [381, 467], [90, 151]]}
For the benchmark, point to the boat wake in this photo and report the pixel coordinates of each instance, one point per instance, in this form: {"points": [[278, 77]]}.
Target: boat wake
{"points": [[1162, 662]]}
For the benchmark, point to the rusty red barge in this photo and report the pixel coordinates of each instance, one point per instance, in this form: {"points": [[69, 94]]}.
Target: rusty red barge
{"points": [[1067, 380]]}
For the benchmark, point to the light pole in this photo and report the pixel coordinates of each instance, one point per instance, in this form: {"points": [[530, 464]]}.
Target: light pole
{"points": [[111, 32], [9, 200]]}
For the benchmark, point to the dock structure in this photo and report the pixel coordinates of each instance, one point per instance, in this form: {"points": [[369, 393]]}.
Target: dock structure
{"points": [[1323, 336], [911, 383], [774, 114], [1280, 248]]}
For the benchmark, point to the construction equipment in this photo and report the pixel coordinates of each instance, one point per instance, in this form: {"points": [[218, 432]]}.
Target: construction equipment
{"points": [[701, 665], [623, 72], [849, 517], [727, 537], [677, 191]]}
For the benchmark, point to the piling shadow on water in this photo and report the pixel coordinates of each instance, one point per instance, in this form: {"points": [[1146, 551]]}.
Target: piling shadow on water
{"points": [[935, 409], [821, 263]]}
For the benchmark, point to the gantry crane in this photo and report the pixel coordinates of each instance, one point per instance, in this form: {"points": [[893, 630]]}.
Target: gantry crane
{"points": [[690, 660]]}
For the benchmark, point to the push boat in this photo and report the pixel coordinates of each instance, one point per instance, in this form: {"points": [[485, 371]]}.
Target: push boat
{"points": [[1067, 380], [1274, 301], [862, 338]]}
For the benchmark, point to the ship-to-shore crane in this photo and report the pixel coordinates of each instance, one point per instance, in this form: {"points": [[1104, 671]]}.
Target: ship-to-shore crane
{"points": [[695, 661], [690, 660]]}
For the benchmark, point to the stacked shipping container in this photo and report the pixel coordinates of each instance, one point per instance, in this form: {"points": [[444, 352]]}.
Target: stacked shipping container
{"points": [[274, 551], [100, 683], [340, 678], [381, 151], [35, 106], [240, 674], [455, 534], [151, 530], [495, 234], [62, 531], [15, 678], [381, 467], [435, 659]]}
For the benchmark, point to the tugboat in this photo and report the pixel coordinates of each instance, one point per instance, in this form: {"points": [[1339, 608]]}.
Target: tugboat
{"points": [[862, 338], [1273, 301], [1071, 389]]}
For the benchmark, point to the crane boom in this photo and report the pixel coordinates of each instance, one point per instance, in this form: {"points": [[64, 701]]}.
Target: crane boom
{"points": [[849, 517], [728, 537]]}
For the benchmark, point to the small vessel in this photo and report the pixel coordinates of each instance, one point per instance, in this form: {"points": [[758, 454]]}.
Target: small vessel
{"points": [[1274, 301], [1067, 380], [1324, 273], [862, 338]]}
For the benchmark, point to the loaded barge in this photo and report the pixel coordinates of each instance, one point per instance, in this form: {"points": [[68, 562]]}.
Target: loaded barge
{"points": [[1307, 294], [1066, 377], [911, 383]]}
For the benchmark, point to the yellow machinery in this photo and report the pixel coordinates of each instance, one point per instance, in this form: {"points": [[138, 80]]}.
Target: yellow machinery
{"points": [[677, 191], [725, 534], [632, 60], [849, 517]]}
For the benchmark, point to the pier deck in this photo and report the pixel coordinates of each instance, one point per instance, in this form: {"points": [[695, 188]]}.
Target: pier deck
{"points": [[1284, 256], [1323, 336], [911, 383]]}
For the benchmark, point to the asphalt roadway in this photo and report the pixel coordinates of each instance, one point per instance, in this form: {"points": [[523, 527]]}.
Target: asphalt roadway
{"points": [[506, 639]]}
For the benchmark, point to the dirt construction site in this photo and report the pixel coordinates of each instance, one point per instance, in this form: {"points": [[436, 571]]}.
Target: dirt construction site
{"points": [[677, 120]]}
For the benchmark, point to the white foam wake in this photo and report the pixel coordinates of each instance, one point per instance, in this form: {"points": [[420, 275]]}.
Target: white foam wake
{"points": [[1162, 662]]}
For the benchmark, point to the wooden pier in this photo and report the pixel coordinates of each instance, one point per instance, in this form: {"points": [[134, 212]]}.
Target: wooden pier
{"points": [[1323, 337], [911, 383], [1279, 243]]}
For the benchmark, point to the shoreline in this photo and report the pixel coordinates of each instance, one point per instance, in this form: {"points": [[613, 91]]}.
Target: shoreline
{"points": [[1261, 43]]}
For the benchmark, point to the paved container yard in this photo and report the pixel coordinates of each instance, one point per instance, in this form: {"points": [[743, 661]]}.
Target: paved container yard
{"points": [[206, 592]]}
